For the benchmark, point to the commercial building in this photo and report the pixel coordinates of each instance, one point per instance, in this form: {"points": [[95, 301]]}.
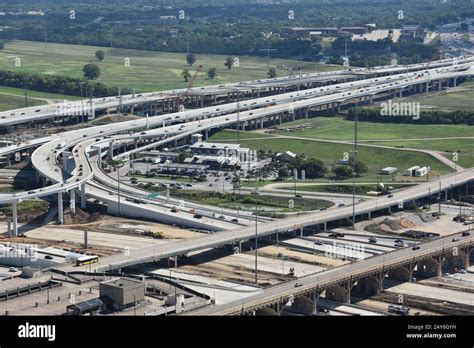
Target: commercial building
{"points": [[123, 292]]}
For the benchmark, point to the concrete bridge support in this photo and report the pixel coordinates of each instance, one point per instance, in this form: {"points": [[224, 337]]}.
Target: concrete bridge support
{"points": [[83, 196], [72, 201], [60, 208], [15, 218]]}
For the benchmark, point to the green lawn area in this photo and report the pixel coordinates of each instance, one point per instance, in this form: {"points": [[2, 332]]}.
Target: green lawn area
{"points": [[464, 147], [225, 135], [35, 94], [8, 102], [148, 71], [336, 128]]}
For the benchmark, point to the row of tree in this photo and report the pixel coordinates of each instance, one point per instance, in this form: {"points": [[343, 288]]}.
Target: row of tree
{"points": [[57, 84]]}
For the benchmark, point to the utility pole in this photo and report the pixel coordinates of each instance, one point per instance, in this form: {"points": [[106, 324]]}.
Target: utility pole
{"points": [[354, 159], [238, 118], [26, 96], [256, 242]]}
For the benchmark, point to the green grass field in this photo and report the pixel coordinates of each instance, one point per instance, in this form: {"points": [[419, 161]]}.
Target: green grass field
{"points": [[148, 71], [35, 94], [336, 128], [464, 147], [9, 102]]}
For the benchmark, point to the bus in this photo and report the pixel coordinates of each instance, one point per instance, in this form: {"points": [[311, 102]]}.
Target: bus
{"points": [[87, 260]]}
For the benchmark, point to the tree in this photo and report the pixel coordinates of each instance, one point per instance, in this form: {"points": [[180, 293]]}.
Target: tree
{"points": [[91, 71], [229, 62], [182, 156], [212, 73], [342, 172], [186, 75], [191, 59], [359, 167], [282, 173], [100, 55], [272, 73]]}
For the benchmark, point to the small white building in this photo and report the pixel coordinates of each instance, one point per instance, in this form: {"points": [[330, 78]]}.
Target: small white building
{"points": [[422, 171], [411, 171], [388, 170]]}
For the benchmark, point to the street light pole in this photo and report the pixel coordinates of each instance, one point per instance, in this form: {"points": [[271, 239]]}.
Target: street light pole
{"points": [[354, 159], [256, 243]]}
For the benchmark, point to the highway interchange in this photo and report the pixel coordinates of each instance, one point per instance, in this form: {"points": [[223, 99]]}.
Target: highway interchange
{"points": [[69, 161]]}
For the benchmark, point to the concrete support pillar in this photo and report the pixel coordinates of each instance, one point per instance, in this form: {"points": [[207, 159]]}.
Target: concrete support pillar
{"points": [[83, 196], [15, 218], [301, 232], [111, 150], [306, 112], [427, 87], [72, 203], [325, 226], [455, 81], [60, 208], [400, 93]]}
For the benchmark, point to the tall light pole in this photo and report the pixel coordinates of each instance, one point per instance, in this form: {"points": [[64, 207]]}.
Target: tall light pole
{"points": [[256, 243], [354, 159]]}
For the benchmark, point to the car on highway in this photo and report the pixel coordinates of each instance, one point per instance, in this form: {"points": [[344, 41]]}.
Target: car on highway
{"points": [[298, 284], [197, 216], [341, 205], [174, 210], [455, 239], [48, 257], [336, 235], [389, 196], [298, 196], [221, 217], [372, 240], [235, 220], [13, 269], [465, 234], [318, 242], [416, 247], [323, 310]]}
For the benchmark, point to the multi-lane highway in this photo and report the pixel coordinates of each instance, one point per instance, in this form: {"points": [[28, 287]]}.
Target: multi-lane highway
{"points": [[46, 158], [336, 275]]}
